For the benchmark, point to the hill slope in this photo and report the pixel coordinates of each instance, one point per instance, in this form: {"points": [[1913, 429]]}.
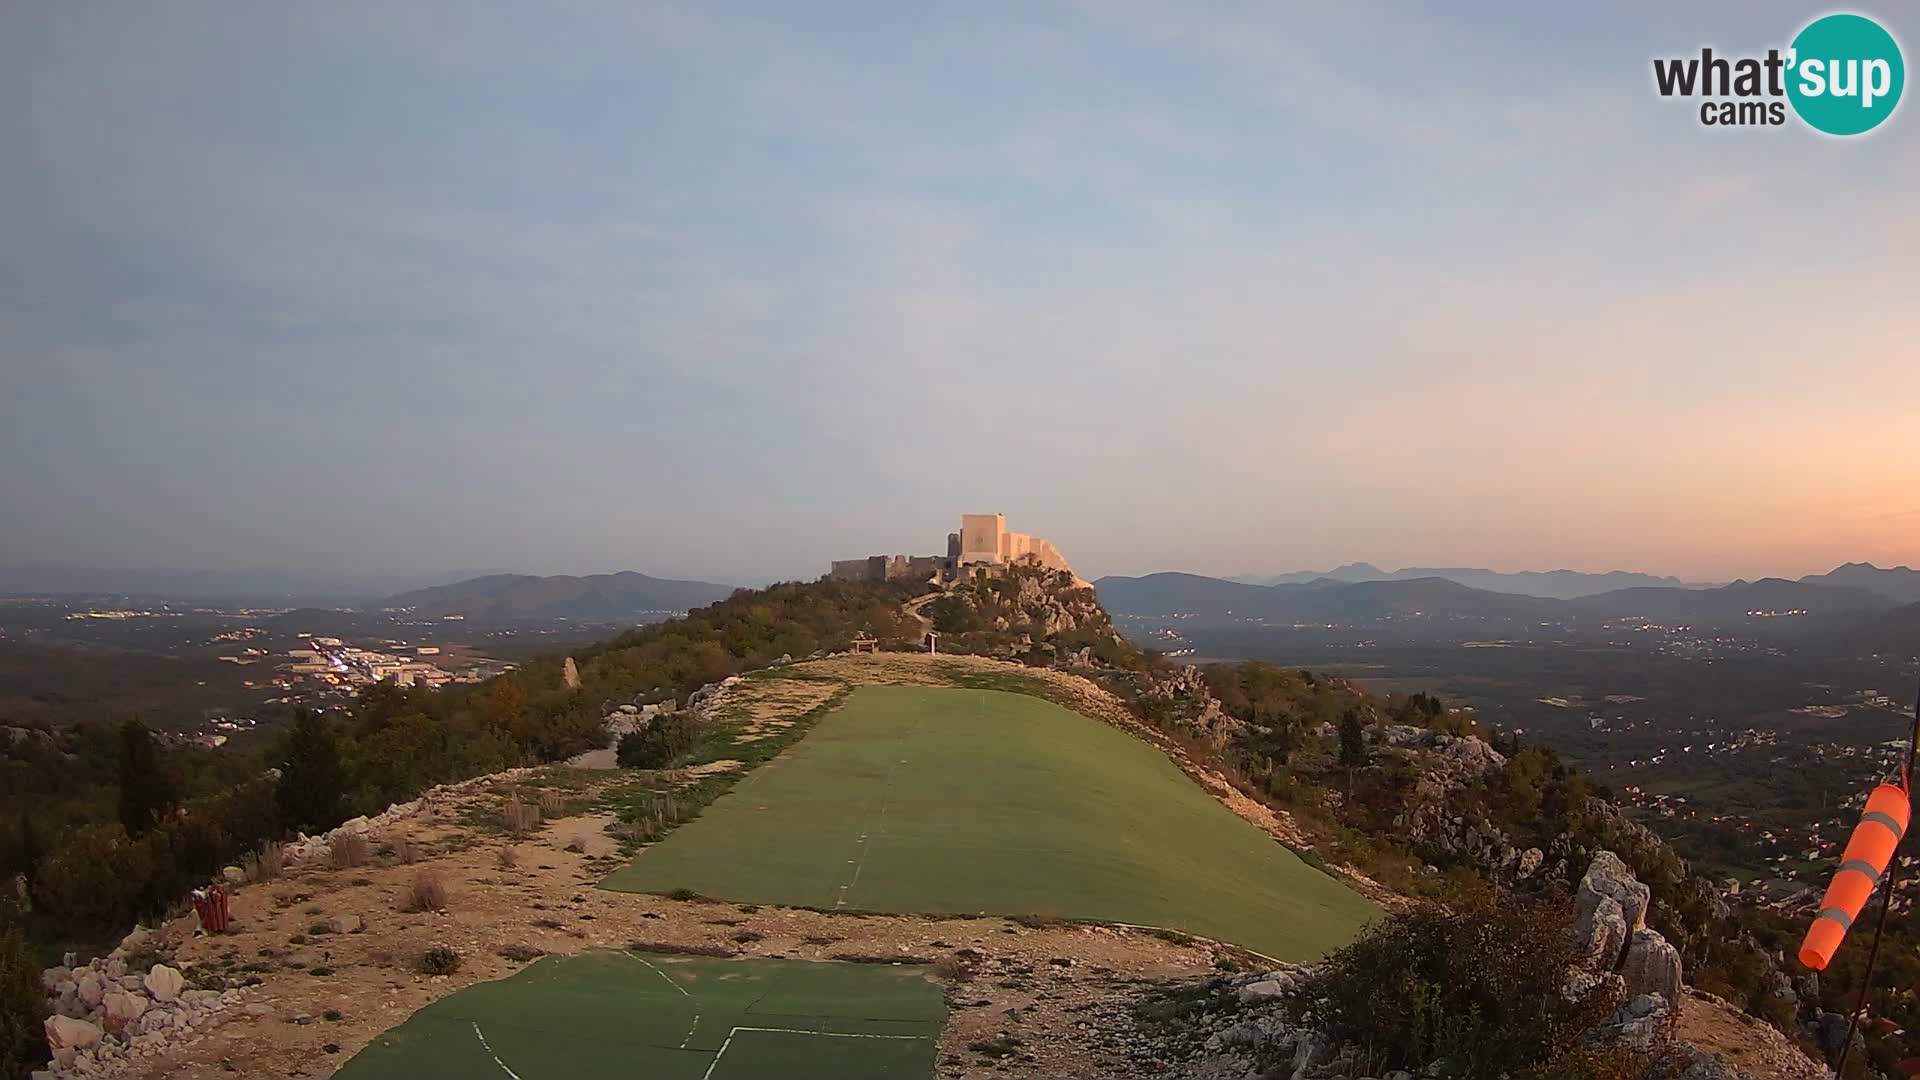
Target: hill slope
{"points": [[525, 596]]}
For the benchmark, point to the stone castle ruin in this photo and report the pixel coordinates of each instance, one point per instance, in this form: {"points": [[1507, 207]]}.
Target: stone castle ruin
{"points": [[983, 541]]}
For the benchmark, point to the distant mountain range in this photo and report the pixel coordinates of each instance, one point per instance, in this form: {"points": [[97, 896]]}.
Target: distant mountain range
{"points": [[1326, 599], [1901, 583], [1551, 584], [524, 596]]}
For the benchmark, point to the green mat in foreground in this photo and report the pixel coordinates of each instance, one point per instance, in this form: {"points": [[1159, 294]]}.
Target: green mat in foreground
{"points": [[629, 1015]]}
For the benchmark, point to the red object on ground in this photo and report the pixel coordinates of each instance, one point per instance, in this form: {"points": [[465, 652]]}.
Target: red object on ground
{"points": [[211, 905]]}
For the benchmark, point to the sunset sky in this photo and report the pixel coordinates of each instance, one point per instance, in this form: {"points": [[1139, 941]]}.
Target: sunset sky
{"points": [[726, 291]]}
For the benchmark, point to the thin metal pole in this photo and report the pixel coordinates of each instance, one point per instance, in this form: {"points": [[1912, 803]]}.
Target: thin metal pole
{"points": [[1886, 898]]}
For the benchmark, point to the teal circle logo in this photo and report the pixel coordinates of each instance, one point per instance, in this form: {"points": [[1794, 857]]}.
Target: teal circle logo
{"points": [[1845, 74]]}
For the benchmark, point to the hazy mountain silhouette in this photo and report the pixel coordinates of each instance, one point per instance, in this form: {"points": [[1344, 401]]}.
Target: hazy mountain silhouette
{"points": [[1551, 584], [1900, 583], [525, 596]]}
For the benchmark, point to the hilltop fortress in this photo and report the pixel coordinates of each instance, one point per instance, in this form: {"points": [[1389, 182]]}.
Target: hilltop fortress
{"points": [[983, 541]]}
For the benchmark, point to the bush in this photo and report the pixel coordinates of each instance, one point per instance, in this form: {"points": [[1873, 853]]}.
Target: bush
{"points": [[1476, 993], [520, 818], [664, 741], [437, 960], [428, 892], [267, 863], [521, 954], [507, 859], [23, 1007], [97, 879], [348, 851]]}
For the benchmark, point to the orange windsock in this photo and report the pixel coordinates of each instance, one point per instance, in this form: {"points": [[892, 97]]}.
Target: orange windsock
{"points": [[1870, 849]]}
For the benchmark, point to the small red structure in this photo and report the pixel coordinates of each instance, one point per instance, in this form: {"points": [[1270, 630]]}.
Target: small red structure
{"points": [[211, 905]]}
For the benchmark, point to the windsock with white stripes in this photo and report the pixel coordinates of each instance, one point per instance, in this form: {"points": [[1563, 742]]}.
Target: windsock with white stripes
{"points": [[1868, 852]]}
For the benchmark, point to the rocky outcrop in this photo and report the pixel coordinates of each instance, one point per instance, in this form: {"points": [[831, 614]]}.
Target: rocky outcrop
{"points": [[1185, 696], [1651, 966], [1608, 878], [126, 1005]]}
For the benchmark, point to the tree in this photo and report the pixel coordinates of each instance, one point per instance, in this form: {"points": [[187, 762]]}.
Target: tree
{"points": [[146, 793], [311, 779], [1353, 744], [1353, 740]]}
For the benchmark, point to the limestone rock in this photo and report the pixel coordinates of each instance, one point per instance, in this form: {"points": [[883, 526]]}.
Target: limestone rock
{"points": [[1652, 966], [1608, 876], [164, 983], [1257, 993], [122, 1008], [1603, 935], [570, 674], [66, 1033], [91, 988], [346, 924], [1530, 861]]}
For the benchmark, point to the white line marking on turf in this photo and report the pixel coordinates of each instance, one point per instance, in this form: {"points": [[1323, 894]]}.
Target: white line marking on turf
{"points": [[873, 825], [683, 993], [728, 1041], [489, 1049], [662, 974]]}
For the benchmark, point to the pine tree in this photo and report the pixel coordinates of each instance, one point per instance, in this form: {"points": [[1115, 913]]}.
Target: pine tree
{"points": [[311, 785], [1353, 745], [146, 794], [1353, 740]]}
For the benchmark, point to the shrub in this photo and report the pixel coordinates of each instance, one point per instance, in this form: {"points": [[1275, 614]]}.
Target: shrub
{"points": [[521, 953], [405, 851], [267, 863], [748, 937], [23, 1007], [1476, 993], [952, 969], [348, 851], [98, 878], [437, 960], [507, 859], [427, 893], [683, 893], [663, 742], [520, 818], [553, 804]]}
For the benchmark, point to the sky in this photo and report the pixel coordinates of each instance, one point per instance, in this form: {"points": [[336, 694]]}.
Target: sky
{"points": [[725, 292]]}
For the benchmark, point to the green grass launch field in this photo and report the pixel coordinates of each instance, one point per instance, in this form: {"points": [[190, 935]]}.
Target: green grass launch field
{"points": [[672, 1018], [914, 799]]}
